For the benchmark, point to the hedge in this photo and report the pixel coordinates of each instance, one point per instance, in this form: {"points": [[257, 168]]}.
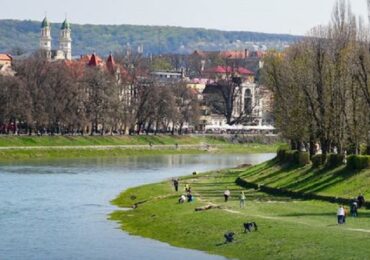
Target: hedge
{"points": [[358, 162], [334, 160], [293, 156], [318, 160]]}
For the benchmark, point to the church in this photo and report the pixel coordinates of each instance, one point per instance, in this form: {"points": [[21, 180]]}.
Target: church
{"points": [[64, 52]]}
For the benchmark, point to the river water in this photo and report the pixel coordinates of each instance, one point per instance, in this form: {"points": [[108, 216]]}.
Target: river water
{"points": [[59, 209]]}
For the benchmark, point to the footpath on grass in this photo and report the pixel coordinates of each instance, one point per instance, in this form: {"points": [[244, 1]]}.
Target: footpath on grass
{"points": [[288, 228], [50, 147]]}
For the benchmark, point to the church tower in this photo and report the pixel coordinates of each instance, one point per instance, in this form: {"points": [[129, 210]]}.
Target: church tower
{"points": [[65, 40], [45, 40]]}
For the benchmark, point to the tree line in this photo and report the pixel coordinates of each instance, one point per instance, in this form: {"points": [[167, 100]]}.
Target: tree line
{"points": [[61, 98], [23, 36], [321, 86]]}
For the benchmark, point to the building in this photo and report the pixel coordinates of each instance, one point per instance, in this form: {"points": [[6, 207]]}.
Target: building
{"points": [[5, 59], [64, 52], [6, 65]]}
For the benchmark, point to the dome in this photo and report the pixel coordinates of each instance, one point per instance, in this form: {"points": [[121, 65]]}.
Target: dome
{"points": [[45, 23], [65, 25]]}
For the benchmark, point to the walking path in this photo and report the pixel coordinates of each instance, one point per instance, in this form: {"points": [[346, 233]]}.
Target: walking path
{"points": [[290, 220], [109, 147]]}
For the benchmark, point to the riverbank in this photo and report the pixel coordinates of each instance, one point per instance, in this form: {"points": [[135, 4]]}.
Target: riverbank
{"points": [[288, 228], [31, 148], [30, 141]]}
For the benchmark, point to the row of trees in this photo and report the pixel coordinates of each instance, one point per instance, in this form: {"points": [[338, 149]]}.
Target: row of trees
{"points": [[60, 97], [321, 86]]}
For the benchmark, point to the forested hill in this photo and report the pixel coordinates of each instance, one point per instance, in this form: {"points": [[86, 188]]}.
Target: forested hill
{"points": [[18, 35]]}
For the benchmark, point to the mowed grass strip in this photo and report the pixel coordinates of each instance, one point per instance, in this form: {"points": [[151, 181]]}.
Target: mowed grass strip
{"points": [[52, 153], [339, 181], [96, 140], [6, 141], [288, 229], [56, 147]]}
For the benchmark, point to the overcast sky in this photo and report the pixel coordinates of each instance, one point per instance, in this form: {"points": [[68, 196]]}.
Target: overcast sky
{"points": [[274, 16]]}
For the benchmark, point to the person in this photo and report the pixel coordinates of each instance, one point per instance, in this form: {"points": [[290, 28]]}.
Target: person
{"points": [[361, 200], [190, 197], [182, 199], [226, 195], [341, 215], [242, 199], [176, 184], [354, 209], [187, 188]]}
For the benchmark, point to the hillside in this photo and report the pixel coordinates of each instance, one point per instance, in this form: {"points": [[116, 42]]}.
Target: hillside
{"points": [[24, 35], [336, 182]]}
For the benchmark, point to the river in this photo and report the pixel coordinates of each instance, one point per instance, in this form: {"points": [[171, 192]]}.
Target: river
{"points": [[59, 209]]}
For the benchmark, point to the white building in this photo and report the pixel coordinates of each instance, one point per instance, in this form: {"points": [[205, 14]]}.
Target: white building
{"points": [[64, 52]]}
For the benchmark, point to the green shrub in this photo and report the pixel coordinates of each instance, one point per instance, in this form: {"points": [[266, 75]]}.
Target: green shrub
{"points": [[281, 154], [334, 160], [358, 162], [291, 156], [318, 160], [302, 158]]}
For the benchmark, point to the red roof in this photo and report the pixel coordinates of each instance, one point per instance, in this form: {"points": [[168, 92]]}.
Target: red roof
{"points": [[228, 69], [5, 57], [111, 64], [95, 60], [233, 54]]}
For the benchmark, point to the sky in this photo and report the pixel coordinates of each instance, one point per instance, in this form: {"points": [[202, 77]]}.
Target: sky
{"points": [[270, 16]]}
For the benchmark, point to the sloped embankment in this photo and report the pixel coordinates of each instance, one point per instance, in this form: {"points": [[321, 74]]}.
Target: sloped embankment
{"points": [[338, 184]]}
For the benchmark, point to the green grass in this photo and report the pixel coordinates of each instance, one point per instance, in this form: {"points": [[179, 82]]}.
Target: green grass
{"points": [[56, 147], [52, 153], [97, 140], [288, 229], [110, 140], [340, 181]]}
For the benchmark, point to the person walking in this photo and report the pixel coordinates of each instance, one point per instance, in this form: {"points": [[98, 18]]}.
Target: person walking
{"points": [[354, 209], [176, 184], [361, 200], [341, 215], [242, 199], [227, 195]]}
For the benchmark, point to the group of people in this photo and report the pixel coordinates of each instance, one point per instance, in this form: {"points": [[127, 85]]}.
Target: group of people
{"points": [[184, 197], [355, 204], [242, 198], [189, 196]]}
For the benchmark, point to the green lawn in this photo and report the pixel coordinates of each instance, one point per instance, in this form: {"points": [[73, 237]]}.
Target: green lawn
{"points": [[288, 229], [97, 140], [340, 181], [55, 147], [110, 140]]}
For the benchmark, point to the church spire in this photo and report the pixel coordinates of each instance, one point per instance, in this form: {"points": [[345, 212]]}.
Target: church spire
{"points": [[45, 38], [65, 39]]}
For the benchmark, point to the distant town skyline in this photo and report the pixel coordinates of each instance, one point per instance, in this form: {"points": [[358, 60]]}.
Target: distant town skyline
{"points": [[269, 16]]}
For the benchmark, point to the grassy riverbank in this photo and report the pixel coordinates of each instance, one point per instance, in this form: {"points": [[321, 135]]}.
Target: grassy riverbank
{"points": [[337, 182], [14, 141], [102, 140], [30, 148], [288, 229]]}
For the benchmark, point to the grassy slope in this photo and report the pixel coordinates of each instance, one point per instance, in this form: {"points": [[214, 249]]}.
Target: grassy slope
{"points": [[98, 140], [339, 181], [288, 229], [50, 150]]}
